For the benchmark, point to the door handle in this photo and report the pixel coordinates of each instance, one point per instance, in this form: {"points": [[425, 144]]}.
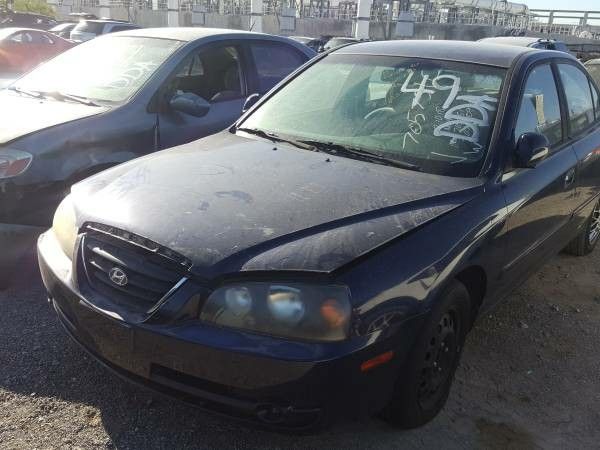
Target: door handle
{"points": [[569, 178]]}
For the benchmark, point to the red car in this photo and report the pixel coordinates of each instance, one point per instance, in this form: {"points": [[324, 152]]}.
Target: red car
{"points": [[21, 49]]}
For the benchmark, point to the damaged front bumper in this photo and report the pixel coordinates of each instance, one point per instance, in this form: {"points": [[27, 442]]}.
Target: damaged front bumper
{"points": [[273, 382]]}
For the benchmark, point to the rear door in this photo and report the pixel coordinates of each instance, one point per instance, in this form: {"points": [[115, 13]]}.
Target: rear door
{"points": [[271, 62], [214, 72], [541, 200], [582, 100]]}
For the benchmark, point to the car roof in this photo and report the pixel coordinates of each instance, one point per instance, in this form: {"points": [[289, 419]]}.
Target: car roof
{"points": [[516, 40], [460, 51], [108, 21], [28, 14], [63, 25], [592, 62], [11, 30], [187, 33], [307, 38]]}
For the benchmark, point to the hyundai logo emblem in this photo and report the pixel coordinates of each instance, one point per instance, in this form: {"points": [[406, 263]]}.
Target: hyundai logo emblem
{"points": [[118, 277]]}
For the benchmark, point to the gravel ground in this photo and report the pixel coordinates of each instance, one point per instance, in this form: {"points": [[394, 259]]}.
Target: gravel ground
{"points": [[529, 379]]}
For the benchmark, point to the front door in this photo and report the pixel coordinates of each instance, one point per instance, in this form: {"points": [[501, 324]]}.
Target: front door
{"points": [[583, 102], [540, 200], [217, 74]]}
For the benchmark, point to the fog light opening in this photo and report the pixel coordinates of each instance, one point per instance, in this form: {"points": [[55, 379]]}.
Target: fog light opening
{"points": [[272, 414], [377, 361]]}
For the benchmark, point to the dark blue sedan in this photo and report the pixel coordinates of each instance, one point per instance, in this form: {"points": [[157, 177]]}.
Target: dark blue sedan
{"points": [[118, 97], [328, 254]]}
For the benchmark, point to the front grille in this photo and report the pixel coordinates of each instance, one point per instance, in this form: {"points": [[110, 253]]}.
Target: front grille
{"points": [[149, 276]]}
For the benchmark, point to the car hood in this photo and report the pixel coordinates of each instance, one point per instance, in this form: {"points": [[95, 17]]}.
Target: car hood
{"points": [[21, 115], [231, 204]]}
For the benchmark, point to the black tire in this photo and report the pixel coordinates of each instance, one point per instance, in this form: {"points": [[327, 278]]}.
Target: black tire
{"points": [[420, 393], [588, 237]]}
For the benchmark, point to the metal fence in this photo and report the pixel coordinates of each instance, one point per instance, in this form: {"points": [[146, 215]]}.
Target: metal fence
{"points": [[386, 12]]}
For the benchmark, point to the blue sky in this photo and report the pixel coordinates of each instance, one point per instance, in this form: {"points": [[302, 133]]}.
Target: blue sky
{"points": [[561, 4]]}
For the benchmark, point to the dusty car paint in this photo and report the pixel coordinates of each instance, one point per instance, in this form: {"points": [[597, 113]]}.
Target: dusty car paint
{"points": [[223, 198], [251, 209], [21, 116]]}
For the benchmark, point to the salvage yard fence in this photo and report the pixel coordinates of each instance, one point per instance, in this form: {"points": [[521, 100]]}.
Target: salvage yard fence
{"points": [[536, 21]]}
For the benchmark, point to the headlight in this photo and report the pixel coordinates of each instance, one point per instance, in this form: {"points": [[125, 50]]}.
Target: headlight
{"points": [[292, 310], [64, 226], [13, 162]]}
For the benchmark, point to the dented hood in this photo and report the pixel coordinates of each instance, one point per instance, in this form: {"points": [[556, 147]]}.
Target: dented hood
{"points": [[231, 204], [21, 115]]}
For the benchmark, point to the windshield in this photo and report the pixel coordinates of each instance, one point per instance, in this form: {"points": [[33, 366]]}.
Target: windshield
{"points": [[107, 69], [437, 115]]}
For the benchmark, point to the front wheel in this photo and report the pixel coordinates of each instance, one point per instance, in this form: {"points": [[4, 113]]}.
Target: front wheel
{"points": [[423, 386], [589, 236]]}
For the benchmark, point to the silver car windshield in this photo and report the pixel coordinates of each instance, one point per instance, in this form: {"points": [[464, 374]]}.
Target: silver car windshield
{"points": [[437, 115], [110, 69]]}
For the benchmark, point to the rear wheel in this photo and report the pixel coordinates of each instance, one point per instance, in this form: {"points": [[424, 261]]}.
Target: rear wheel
{"points": [[423, 386], [589, 236]]}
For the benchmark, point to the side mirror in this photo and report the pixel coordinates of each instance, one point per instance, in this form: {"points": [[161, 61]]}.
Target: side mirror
{"points": [[250, 102], [532, 148], [190, 103]]}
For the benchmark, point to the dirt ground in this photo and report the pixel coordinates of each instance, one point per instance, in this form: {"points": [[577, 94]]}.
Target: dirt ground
{"points": [[530, 378]]}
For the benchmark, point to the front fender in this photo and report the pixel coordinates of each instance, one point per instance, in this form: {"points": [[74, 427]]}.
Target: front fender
{"points": [[407, 275]]}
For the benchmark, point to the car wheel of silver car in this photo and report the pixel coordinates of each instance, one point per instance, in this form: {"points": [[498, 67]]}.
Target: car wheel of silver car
{"points": [[424, 383], [589, 236]]}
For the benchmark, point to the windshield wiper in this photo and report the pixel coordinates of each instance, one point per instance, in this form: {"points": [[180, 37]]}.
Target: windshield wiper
{"points": [[356, 152], [33, 94], [60, 96], [276, 138]]}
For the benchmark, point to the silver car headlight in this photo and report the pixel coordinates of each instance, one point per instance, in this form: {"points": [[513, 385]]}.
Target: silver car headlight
{"points": [[64, 226], [292, 310]]}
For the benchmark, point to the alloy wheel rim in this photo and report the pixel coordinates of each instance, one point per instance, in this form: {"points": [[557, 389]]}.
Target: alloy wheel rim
{"points": [[595, 225], [439, 360]]}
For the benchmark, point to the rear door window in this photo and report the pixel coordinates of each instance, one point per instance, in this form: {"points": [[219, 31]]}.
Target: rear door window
{"points": [[273, 62], [579, 98], [540, 108], [21, 38]]}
